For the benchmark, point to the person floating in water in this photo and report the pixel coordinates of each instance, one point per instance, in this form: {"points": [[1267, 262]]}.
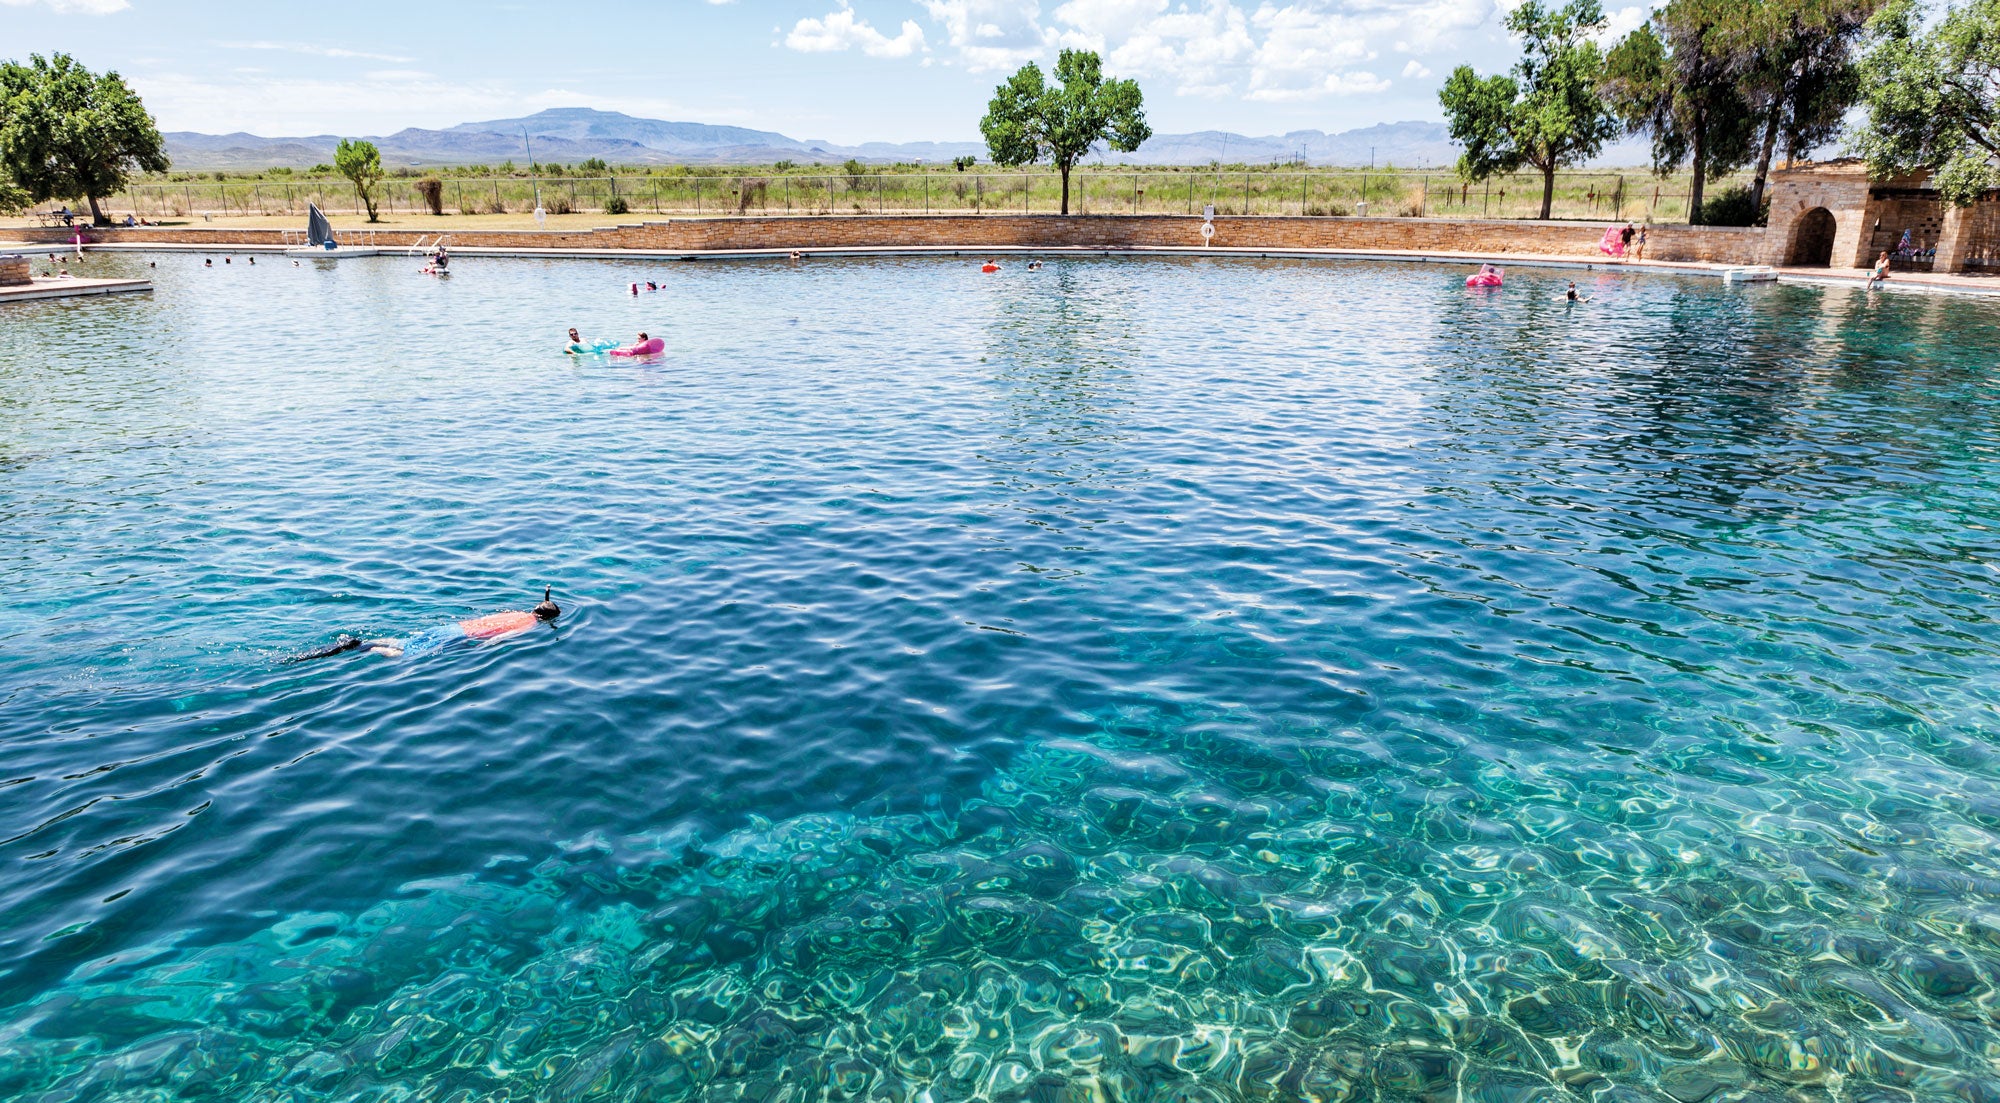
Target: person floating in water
{"points": [[495, 626], [1572, 295], [578, 345]]}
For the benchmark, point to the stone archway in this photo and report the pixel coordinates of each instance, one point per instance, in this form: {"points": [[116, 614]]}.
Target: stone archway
{"points": [[1812, 239]]}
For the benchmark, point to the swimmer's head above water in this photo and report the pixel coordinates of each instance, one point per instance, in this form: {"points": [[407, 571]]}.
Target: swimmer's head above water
{"points": [[548, 609]]}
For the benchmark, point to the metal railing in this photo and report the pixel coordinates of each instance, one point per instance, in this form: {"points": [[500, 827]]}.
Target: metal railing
{"points": [[1585, 196]]}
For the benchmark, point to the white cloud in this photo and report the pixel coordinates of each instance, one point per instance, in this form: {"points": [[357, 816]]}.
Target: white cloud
{"points": [[992, 34], [843, 30], [1624, 21], [304, 48], [73, 7], [1275, 51]]}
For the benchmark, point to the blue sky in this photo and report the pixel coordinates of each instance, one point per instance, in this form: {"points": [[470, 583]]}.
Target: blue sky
{"points": [[891, 70]]}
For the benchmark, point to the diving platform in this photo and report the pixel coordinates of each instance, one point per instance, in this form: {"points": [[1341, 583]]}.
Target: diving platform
{"points": [[43, 287]]}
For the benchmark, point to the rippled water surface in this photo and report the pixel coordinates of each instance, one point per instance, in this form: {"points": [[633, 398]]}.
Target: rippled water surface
{"points": [[1133, 680]]}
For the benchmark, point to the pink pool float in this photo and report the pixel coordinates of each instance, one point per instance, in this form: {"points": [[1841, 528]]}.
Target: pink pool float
{"points": [[1487, 276], [646, 346]]}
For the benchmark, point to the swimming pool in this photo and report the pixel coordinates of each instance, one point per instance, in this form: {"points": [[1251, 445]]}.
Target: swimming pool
{"points": [[1136, 679]]}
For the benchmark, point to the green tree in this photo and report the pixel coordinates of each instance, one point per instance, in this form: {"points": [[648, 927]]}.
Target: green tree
{"points": [[1548, 113], [1677, 80], [1029, 121], [359, 161], [1796, 65], [68, 132], [1933, 97]]}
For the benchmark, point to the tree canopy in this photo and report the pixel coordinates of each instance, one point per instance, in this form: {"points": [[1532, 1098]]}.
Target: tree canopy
{"points": [[1931, 96], [1029, 121], [1675, 79], [1796, 67], [359, 161], [1548, 113], [66, 132]]}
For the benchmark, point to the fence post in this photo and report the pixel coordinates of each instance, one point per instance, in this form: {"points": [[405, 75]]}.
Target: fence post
{"points": [[1424, 205], [697, 195], [1486, 205], [878, 193], [927, 193], [1305, 180], [1246, 193]]}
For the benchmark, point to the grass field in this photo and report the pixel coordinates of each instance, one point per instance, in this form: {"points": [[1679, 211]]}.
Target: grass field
{"points": [[580, 202]]}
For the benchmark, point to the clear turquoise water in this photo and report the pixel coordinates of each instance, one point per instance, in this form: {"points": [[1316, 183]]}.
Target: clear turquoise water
{"points": [[1136, 680]]}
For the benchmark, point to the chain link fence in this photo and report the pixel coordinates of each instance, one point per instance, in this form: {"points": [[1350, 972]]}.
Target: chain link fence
{"points": [[1581, 196]]}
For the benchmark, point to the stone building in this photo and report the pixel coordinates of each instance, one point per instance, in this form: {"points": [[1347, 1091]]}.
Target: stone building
{"points": [[1831, 214]]}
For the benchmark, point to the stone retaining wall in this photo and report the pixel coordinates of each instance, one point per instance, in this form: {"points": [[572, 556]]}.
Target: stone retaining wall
{"points": [[1572, 239], [15, 271]]}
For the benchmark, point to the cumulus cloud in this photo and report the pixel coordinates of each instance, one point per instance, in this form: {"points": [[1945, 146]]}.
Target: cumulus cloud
{"points": [[1270, 50], [992, 34], [73, 7], [843, 30]]}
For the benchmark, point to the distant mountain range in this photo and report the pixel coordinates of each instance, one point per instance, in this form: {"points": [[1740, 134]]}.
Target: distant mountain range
{"points": [[572, 134]]}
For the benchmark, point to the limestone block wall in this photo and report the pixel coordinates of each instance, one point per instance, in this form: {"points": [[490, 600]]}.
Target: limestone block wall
{"points": [[1842, 190], [1970, 239], [15, 271], [974, 232]]}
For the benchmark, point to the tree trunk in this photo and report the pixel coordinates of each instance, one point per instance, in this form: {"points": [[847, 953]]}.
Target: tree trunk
{"points": [[1701, 170], [1700, 163], [96, 214], [1764, 158], [1065, 181], [1548, 189]]}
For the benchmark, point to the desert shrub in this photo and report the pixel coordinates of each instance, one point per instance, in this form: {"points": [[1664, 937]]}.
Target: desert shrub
{"points": [[495, 206], [431, 190], [559, 204], [617, 205], [751, 190], [1732, 208]]}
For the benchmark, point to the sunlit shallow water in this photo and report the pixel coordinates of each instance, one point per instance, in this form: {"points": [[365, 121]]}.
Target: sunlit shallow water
{"points": [[1133, 680]]}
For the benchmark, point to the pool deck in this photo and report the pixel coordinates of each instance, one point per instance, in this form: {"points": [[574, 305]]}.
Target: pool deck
{"points": [[1936, 283], [42, 287]]}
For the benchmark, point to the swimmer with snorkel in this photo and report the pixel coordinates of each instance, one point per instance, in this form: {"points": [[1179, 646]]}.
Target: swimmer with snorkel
{"points": [[495, 626]]}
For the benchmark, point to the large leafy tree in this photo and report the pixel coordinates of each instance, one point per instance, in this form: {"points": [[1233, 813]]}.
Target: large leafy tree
{"points": [[1548, 113], [359, 161], [67, 132], [1796, 65], [1933, 97], [1676, 79], [1030, 121]]}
